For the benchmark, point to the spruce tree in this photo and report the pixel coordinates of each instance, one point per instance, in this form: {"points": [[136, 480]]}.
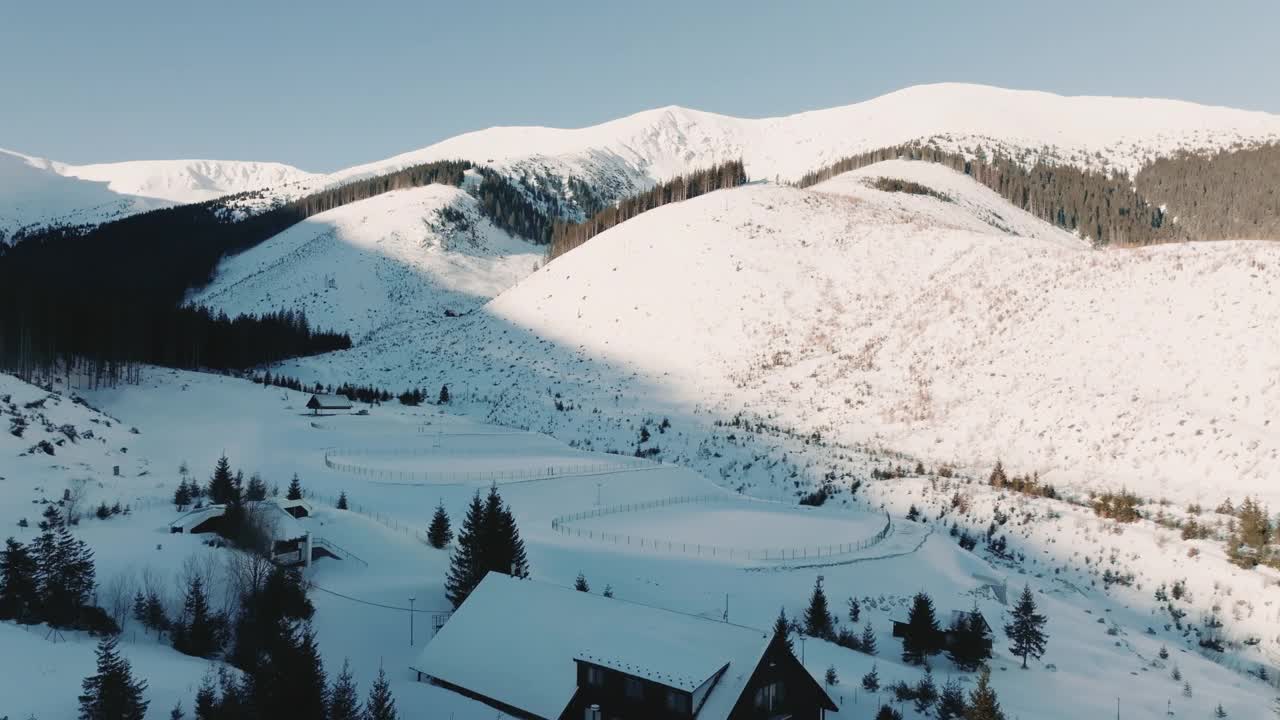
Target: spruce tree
{"points": [[506, 553], [888, 713], [65, 573], [205, 706], [342, 500], [855, 610], [221, 483], [19, 592], [581, 584], [200, 631], [926, 692], [951, 702], [1026, 632], [443, 399], [111, 693], [176, 713], [465, 567], [983, 704], [971, 645], [782, 628], [344, 701], [871, 681], [817, 617], [381, 705], [868, 643], [921, 638], [295, 489], [439, 534], [182, 496], [257, 489]]}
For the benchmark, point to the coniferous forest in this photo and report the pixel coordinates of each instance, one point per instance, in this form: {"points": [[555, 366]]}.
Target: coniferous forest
{"points": [[1228, 195], [101, 300], [567, 236]]}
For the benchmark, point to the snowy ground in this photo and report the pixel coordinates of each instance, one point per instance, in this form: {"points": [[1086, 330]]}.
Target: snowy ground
{"points": [[1099, 648]]}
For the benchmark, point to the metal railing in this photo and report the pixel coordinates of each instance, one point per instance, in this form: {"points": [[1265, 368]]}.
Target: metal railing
{"points": [[562, 524]]}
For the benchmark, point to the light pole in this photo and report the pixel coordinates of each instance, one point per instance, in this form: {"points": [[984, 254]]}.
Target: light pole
{"points": [[598, 485], [411, 622]]}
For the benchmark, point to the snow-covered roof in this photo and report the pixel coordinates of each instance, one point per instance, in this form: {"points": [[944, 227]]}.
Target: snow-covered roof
{"points": [[278, 521], [330, 401], [516, 641]]}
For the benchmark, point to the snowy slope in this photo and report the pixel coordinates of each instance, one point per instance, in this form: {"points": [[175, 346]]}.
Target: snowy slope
{"points": [[629, 154], [1103, 643], [35, 191], [657, 144], [389, 260], [897, 320]]}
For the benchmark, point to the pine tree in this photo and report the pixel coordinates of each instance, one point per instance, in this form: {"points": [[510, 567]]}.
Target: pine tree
{"points": [[443, 399], [465, 567], [182, 496], [111, 693], [19, 592], [868, 642], [200, 631], [951, 703], [983, 703], [972, 642], [344, 701], [581, 584], [871, 681], [888, 713], [608, 591], [782, 628], [1026, 632], [817, 617], [921, 638], [831, 678], [855, 610], [295, 489], [342, 500], [439, 534], [257, 489], [205, 706], [505, 551], [176, 713], [65, 573], [926, 692], [381, 706], [222, 483], [1219, 712]]}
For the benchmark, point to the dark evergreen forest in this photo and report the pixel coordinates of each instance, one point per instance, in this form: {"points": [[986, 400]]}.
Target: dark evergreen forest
{"points": [[104, 299], [1229, 195], [567, 236]]}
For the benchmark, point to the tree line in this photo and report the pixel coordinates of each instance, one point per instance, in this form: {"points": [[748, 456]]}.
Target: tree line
{"points": [[567, 236], [111, 296]]}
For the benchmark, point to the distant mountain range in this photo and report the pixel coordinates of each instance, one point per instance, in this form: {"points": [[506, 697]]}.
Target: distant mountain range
{"points": [[624, 156]]}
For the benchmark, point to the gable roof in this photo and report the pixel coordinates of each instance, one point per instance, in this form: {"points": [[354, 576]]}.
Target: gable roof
{"points": [[515, 642], [330, 401]]}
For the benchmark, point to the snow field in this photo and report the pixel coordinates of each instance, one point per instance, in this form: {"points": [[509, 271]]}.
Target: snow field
{"points": [[362, 606]]}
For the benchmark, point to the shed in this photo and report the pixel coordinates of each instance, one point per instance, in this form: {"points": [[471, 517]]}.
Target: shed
{"points": [[328, 402]]}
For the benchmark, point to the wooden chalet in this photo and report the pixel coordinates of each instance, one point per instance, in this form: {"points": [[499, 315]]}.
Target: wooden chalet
{"points": [[544, 652], [328, 403], [291, 543]]}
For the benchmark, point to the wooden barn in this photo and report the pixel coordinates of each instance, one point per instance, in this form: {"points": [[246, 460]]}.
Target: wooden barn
{"points": [[544, 652], [328, 403]]}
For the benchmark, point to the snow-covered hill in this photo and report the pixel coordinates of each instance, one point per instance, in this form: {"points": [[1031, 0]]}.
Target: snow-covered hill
{"points": [[402, 258], [897, 320], [35, 191], [629, 154]]}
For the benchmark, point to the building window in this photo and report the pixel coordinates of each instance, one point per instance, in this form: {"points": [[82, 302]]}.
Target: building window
{"points": [[677, 702], [595, 676], [633, 688], [769, 697]]}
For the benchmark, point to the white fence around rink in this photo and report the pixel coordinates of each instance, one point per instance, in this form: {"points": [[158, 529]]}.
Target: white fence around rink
{"points": [[427, 477], [562, 524]]}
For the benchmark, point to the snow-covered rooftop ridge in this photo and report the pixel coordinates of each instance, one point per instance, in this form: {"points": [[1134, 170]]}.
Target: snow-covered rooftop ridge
{"points": [[515, 641]]}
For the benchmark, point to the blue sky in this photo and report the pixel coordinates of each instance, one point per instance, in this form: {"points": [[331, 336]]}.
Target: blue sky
{"points": [[324, 84]]}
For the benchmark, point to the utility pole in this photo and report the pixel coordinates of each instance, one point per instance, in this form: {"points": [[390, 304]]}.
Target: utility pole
{"points": [[411, 621], [598, 484]]}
